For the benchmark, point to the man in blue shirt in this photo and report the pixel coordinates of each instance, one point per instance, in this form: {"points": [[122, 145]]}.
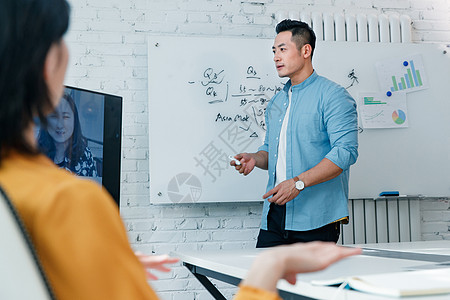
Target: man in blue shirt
{"points": [[310, 143]]}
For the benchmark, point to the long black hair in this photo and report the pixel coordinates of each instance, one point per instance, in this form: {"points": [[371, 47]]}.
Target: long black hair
{"points": [[77, 143], [28, 28]]}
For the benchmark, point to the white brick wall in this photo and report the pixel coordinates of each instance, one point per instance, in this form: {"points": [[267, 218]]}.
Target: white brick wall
{"points": [[435, 215], [107, 41]]}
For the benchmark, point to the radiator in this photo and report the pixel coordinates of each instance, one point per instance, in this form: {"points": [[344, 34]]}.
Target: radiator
{"points": [[384, 28], [395, 219]]}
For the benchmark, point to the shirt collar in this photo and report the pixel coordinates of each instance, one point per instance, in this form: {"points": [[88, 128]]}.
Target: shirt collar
{"points": [[301, 85]]}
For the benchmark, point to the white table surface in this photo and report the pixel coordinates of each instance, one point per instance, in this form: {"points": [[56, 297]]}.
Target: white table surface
{"points": [[237, 263], [441, 247]]}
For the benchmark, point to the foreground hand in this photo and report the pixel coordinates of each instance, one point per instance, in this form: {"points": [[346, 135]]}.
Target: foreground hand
{"points": [[314, 256], [287, 261], [282, 193], [155, 262], [247, 161]]}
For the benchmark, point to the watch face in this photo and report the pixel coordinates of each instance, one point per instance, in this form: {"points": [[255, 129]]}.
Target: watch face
{"points": [[300, 185]]}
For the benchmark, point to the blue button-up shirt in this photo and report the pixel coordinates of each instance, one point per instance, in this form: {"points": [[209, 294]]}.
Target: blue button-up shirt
{"points": [[322, 124]]}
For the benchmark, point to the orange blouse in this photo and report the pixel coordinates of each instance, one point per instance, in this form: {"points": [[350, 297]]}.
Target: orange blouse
{"points": [[78, 234]]}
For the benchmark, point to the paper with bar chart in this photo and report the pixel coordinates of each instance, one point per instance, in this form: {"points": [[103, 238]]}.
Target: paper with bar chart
{"points": [[405, 74], [380, 111]]}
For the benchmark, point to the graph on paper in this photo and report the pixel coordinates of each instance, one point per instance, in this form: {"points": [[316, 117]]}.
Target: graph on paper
{"points": [[405, 74], [377, 110], [399, 116], [410, 79], [372, 101]]}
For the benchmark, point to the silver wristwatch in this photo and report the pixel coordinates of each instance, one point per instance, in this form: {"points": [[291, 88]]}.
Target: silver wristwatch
{"points": [[299, 185]]}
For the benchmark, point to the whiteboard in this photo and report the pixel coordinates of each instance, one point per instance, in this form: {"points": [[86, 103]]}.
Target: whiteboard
{"points": [[413, 160], [207, 98]]}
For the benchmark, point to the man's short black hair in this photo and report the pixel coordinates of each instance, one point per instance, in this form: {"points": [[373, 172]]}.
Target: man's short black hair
{"points": [[302, 34]]}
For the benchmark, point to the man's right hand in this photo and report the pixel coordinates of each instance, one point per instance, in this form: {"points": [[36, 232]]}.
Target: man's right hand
{"points": [[247, 161]]}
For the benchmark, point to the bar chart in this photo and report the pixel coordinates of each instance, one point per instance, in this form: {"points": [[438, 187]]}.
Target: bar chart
{"points": [[405, 74], [372, 101], [410, 79]]}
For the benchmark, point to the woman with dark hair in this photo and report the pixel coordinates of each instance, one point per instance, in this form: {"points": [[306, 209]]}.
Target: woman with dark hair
{"points": [[74, 225], [63, 142]]}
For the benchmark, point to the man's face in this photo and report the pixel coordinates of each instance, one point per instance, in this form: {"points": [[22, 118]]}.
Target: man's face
{"points": [[288, 60]]}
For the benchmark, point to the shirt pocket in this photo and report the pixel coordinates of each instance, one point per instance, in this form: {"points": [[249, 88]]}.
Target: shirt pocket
{"points": [[309, 127]]}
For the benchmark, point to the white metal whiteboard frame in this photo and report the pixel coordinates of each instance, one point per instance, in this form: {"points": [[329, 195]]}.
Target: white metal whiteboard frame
{"points": [[413, 160]]}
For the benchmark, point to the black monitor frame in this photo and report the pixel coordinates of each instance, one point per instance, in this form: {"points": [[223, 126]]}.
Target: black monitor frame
{"points": [[112, 142]]}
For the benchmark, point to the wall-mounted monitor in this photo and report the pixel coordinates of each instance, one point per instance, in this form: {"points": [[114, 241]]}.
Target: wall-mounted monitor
{"points": [[83, 135]]}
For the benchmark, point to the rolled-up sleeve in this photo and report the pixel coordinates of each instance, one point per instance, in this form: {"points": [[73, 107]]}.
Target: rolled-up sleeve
{"points": [[341, 119]]}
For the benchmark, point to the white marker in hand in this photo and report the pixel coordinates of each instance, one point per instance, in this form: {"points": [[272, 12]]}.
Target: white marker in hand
{"points": [[237, 162]]}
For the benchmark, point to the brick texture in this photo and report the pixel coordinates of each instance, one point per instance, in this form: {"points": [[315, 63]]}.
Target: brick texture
{"points": [[107, 42]]}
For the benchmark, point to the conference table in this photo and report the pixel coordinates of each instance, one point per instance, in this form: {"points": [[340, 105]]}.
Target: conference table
{"points": [[232, 266]]}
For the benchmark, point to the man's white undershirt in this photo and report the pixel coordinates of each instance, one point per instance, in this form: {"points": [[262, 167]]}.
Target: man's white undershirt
{"points": [[280, 170]]}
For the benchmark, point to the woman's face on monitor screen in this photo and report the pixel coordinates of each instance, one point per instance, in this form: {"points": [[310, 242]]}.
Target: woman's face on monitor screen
{"points": [[61, 122]]}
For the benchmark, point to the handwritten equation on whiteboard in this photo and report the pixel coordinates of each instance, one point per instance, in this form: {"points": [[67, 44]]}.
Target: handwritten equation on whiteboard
{"points": [[239, 111]]}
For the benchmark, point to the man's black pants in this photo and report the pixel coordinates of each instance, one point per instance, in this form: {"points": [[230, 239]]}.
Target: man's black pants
{"points": [[276, 234]]}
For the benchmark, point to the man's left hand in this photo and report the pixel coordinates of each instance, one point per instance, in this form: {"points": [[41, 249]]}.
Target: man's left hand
{"points": [[282, 193]]}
